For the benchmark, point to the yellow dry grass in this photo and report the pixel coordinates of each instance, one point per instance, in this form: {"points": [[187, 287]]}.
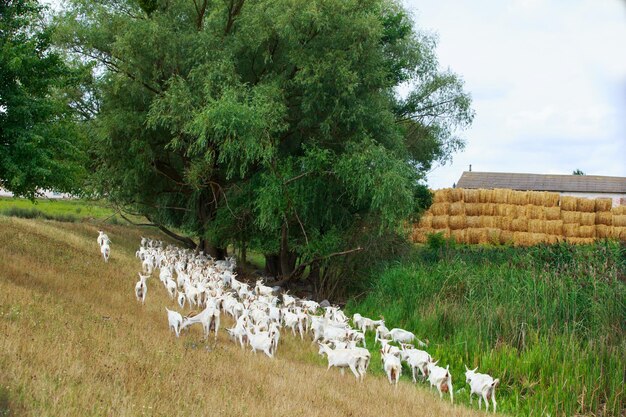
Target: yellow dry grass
{"points": [[75, 343]]}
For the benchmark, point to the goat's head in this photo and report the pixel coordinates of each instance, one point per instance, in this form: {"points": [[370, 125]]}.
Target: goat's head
{"points": [[469, 374]]}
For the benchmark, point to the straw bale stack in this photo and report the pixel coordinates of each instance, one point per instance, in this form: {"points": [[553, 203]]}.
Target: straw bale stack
{"points": [[587, 219], [568, 203], [442, 196], [604, 217], [445, 232], [504, 223], [619, 210], [460, 235], [519, 198], [440, 222], [585, 205], [587, 231], [520, 224], [554, 227], [570, 217], [536, 226], [603, 204], [472, 221], [543, 198], [456, 194], [506, 210], [506, 237], [579, 240], [535, 212], [488, 221], [457, 208], [603, 231], [553, 213], [501, 196], [477, 236], [456, 222], [485, 196], [473, 209], [570, 229], [619, 220], [439, 209], [426, 221], [471, 196]]}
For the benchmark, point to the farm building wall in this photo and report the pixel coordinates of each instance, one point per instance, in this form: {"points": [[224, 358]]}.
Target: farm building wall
{"points": [[520, 217]]}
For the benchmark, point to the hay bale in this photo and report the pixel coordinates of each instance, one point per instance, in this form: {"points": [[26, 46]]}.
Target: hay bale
{"points": [[587, 219], [456, 194], [536, 226], [587, 231], [543, 198], [506, 237], [603, 204], [503, 223], [619, 210], [440, 222], [585, 205], [552, 239], [621, 233], [579, 240], [419, 235], [472, 221], [460, 236], [472, 209], [519, 198], [570, 217], [501, 195], [488, 209], [488, 221], [570, 229], [439, 209], [619, 220], [456, 222], [445, 232], [493, 235], [528, 239], [521, 211], [568, 203], [519, 224], [604, 218], [552, 213], [426, 221], [471, 196], [442, 196], [485, 196], [457, 208], [603, 231], [535, 212], [554, 227], [505, 210], [477, 236]]}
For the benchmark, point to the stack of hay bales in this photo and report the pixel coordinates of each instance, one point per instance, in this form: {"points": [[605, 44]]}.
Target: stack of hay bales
{"points": [[480, 216]]}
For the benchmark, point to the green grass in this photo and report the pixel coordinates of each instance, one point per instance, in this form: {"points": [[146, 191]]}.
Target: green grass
{"points": [[60, 210], [548, 321]]}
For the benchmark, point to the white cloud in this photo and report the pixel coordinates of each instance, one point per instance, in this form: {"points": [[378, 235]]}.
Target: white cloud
{"points": [[548, 79]]}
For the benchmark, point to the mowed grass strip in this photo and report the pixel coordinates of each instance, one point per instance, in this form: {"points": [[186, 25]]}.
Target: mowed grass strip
{"points": [[75, 342]]}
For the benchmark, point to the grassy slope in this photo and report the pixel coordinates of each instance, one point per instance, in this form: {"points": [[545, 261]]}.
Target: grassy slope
{"points": [[551, 326], [75, 342]]}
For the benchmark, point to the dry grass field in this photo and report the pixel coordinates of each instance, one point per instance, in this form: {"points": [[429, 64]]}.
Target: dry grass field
{"points": [[75, 343]]}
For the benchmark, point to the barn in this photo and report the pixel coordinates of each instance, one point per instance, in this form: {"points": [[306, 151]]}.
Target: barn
{"points": [[588, 186]]}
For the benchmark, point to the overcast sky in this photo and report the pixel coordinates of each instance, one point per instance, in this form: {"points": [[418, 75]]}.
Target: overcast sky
{"points": [[547, 78]]}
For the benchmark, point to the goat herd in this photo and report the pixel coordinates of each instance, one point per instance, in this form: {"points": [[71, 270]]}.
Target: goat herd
{"points": [[200, 282]]}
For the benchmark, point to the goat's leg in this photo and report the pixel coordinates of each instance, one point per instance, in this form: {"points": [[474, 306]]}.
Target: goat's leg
{"points": [[493, 400], [354, 371], [451, 392], [413, 372]]}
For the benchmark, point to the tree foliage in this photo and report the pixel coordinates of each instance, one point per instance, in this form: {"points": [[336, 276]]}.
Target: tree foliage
{"points": [[277, 125], [40, 144]]}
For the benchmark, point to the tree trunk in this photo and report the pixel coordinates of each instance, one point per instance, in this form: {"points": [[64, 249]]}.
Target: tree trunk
{"points": [[272, 264], [287, 258], [214, 251]]}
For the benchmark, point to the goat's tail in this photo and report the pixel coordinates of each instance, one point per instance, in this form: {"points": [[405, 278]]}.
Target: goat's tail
{"points": [[495, 383]]}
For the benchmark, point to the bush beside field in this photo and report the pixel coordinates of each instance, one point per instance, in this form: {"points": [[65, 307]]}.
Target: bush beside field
{"points": [[549, 321]]}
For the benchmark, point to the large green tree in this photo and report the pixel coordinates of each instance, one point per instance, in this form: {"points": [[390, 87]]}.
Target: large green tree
{"points": [[40, 143], [299, 128]]}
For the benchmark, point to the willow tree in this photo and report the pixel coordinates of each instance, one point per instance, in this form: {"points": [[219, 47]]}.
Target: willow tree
{"points": [[293, 127]]}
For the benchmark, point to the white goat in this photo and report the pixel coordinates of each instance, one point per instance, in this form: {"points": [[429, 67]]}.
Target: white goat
{"points": [[141, 289], [440, 378], [346, 358], [392, 367], [483, 385], [105, 250], [175, 321]]}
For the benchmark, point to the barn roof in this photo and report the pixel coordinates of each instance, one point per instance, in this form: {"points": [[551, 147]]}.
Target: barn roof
{"points": [[540, 182]]}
